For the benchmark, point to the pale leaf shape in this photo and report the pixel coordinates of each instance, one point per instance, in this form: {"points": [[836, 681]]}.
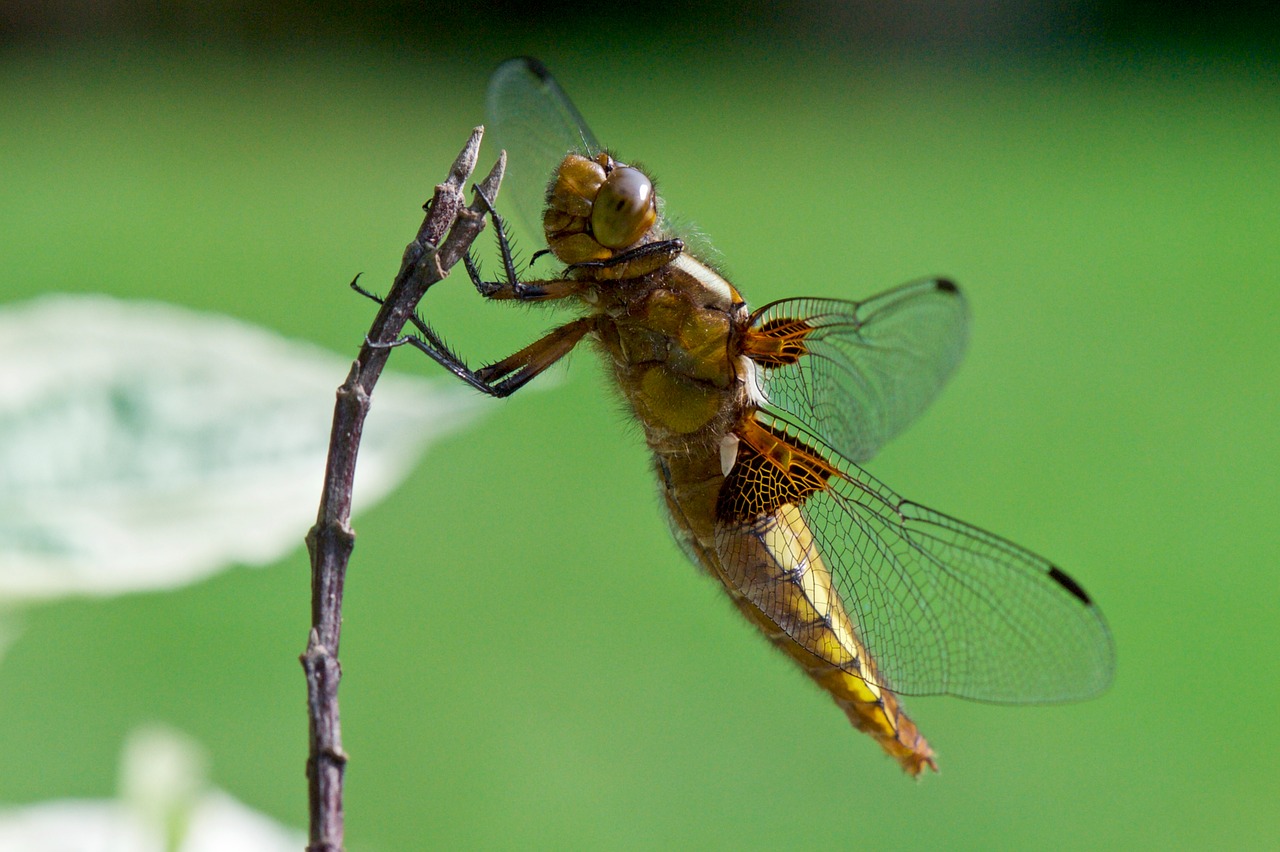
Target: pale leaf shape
{"points": [[165, 804], [145, 446]]}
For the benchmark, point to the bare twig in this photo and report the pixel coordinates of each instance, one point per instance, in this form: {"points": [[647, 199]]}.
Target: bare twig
{"points": [[447, 231]]}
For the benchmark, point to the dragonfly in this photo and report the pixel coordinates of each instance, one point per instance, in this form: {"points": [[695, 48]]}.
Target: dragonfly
{"points": [[759, 421]]}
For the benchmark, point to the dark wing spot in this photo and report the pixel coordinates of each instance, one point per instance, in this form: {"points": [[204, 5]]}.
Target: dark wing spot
{"points": [[946, 285], [1069, 584], [536, 68]]}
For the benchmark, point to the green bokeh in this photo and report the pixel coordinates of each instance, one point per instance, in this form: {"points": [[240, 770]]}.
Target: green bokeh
{"points": [[528, 660]]}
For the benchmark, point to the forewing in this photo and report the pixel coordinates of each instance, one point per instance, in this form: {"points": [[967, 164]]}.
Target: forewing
{"points": [[854, 374], [532, 118], [939, 606]]}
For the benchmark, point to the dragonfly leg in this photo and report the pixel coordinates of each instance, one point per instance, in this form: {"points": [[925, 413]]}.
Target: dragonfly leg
{"points": [[523, 291], [502, 378], [519, 367], [663, 252], [430, 343], [511, 287]]}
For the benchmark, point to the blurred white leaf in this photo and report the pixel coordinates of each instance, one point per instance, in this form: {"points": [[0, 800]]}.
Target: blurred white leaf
{"points": [[165, 805], [144, 446], [163, 775], [70, 825]]}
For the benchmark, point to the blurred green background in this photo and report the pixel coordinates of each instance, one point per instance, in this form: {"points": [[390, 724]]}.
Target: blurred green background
{"points": [[528, 659]]}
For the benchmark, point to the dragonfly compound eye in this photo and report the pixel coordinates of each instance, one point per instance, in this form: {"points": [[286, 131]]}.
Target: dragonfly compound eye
{"points": [[623, 209]]}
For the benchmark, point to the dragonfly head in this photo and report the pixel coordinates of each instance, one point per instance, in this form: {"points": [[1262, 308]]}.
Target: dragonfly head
{"points": [[597, 208]]}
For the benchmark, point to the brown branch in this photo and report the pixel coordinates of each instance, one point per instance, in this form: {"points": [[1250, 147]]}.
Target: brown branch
{"points": [[447, 231]]}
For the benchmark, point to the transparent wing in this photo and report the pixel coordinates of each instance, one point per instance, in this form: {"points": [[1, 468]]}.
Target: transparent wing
{"points": [[864, 369], [940, 607], [531, 117]]}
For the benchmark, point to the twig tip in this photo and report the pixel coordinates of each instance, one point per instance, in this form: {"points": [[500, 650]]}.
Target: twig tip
{"points": [[493, 181], [467, 157]]}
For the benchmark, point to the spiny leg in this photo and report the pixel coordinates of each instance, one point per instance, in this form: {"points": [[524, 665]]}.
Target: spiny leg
{"points": [[531, 291], [514, 371], [504, 377], [669, 250], [431, 344], [427, 332], [512, 287], [518, 368]]}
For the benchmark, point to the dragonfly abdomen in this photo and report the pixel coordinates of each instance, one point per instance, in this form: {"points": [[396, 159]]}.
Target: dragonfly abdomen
{"points": [[776, 577]]}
